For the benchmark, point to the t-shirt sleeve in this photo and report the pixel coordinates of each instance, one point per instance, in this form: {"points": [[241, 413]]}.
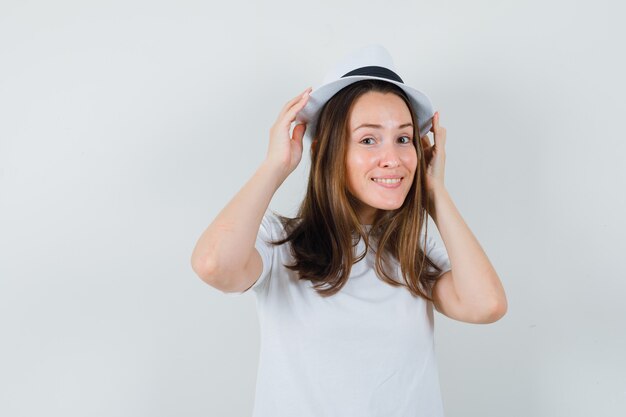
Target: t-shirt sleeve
{"points": [[436, 251], [266, 251]]}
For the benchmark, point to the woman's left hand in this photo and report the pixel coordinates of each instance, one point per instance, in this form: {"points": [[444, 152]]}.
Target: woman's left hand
{"points": [[435, 156]]}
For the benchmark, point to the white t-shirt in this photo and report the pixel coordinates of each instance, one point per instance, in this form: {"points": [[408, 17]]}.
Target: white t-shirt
{"points": [[366, 351]]}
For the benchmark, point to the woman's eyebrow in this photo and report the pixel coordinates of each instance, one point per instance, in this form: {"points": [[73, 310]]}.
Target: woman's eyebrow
{"points": [[380, 126]]}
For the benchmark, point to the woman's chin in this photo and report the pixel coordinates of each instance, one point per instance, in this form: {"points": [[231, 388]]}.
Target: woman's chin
{"points": [[389, 205]]}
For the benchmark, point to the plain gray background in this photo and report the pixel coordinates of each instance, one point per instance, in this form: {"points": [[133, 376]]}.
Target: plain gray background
{"points": [[126, 126]]}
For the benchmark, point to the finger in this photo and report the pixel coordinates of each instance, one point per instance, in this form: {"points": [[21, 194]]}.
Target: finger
{"points": [[298, 132], [294, 100], [440, 137], [293, 111], [435, 121], [439, 132], [288, 115]]}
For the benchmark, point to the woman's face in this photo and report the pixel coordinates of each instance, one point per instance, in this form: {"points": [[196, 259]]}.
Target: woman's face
{"points": [[381, 159]]}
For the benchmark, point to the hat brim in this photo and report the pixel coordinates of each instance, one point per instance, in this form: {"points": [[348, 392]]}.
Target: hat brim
{"points": [[422, 105]]}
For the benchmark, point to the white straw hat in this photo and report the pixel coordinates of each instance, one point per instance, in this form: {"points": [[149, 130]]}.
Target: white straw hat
{"points": [[369, 63]]}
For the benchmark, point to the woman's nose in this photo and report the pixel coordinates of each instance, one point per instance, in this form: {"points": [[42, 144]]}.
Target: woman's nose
{"points": [[389, 157], [391, 163]]}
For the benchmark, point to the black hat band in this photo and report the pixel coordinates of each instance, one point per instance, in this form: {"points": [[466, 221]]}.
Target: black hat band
{"points": [[375, 71]]}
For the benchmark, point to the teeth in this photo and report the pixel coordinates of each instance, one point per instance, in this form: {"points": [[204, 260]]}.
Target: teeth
{"points": [[387, 180]]}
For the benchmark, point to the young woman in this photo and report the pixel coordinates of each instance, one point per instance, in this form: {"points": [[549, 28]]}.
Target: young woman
{"points": [[345, 290]]}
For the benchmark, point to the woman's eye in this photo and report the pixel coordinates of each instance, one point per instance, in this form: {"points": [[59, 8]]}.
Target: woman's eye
{"points": [[367, 141], [404, 139]]}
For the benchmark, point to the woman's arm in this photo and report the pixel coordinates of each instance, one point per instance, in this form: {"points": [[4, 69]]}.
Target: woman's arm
{"points": [[471, 291], [224, 255]]}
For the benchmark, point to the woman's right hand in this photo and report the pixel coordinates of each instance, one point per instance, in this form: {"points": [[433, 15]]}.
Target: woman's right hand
{"points": [[284, 153]]}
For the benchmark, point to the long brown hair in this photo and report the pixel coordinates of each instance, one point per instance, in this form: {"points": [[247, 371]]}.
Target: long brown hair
{"points": [[326, 230]]}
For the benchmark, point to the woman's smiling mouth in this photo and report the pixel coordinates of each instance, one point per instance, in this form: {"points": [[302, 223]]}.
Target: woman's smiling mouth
{"points": [[388, 182]]}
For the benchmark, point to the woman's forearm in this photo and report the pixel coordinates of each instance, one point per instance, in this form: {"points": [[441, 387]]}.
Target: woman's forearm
{"points": [[227, 244], [226, 247], [476, 282]]}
